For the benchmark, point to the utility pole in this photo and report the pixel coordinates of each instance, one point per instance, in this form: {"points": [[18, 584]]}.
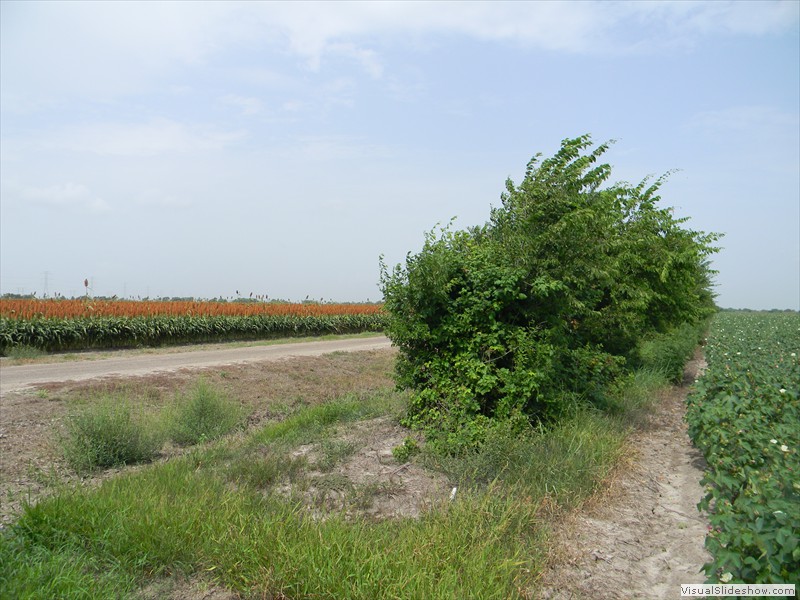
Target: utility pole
{"points": [[46, 276]]}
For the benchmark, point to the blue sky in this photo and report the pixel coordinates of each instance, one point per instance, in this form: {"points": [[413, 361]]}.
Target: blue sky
{"points": [[197, 149]]}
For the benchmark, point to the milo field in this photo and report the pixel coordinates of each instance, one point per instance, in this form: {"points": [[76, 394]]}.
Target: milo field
{"points": [[57, 325]]}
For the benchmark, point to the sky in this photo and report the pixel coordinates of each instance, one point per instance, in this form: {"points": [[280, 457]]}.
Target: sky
{"points": [[176, 149]]}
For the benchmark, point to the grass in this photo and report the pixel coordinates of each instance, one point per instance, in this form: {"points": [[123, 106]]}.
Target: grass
{"points": [[115, 430], [668, 353], [175, 517], [25, 353], [203, 414], [220, 512], [332, 453], [109, 434]]}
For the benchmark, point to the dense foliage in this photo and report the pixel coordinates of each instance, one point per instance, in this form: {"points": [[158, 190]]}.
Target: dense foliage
{"points": [[745, 416], [59, 325], [549, 299]]}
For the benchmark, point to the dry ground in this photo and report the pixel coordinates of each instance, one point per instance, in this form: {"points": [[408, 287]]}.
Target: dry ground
{"points": [[31, 421]]}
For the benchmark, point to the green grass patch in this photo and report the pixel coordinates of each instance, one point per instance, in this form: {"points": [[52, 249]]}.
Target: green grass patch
{"points": [[109, 433], [308, 424], [24, 352], [332, 453], [667, 353], [176, 518], [31, 570], [203, 414]]}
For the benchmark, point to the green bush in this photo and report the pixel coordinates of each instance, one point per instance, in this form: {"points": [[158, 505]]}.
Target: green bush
{"points": [[548, 300], [108, 434], [204, 414]]}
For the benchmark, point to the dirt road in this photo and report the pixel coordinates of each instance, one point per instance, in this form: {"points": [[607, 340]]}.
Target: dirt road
{"points": [[17, 377]]}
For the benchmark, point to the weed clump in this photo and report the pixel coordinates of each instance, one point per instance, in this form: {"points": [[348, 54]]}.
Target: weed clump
{"points": [[108, 434], [406, 450], [23, 352], [202, 415]]}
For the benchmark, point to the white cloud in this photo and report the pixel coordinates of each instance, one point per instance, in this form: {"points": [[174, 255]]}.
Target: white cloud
{"points": [[314, 29], [294, 106], [102, 50], [159, 199], [741, 17], [367, 58], [155, 137], [356, 29]]}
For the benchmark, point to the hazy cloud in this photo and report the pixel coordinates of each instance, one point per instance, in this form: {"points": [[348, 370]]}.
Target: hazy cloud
{"points": [[732, 17], [62, 195], [316, 28], [159, 136], [746, 118], [325, 148], [159, 199], [247, 105]]}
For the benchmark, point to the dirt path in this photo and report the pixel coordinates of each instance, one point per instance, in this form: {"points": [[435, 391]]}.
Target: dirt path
{"points": [[21, 376], [645, 537]]}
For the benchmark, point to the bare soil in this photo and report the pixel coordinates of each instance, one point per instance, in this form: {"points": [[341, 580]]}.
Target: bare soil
{"points": [[642, 536], [31, 420]]}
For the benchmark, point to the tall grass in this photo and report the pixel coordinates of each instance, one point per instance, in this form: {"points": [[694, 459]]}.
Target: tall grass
{"points": [[667, 353], [23, 352], [111, 432]]}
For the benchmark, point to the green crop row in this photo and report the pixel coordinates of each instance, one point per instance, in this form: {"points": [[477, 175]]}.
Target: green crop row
{"points": [[54, 335], [744, 415]]}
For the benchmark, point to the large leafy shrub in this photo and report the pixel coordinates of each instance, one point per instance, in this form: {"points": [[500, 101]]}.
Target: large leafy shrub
{"points": [[544, 302]]}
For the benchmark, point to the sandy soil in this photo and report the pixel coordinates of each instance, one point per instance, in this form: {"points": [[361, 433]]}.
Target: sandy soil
{"points": [[643, 536]]}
